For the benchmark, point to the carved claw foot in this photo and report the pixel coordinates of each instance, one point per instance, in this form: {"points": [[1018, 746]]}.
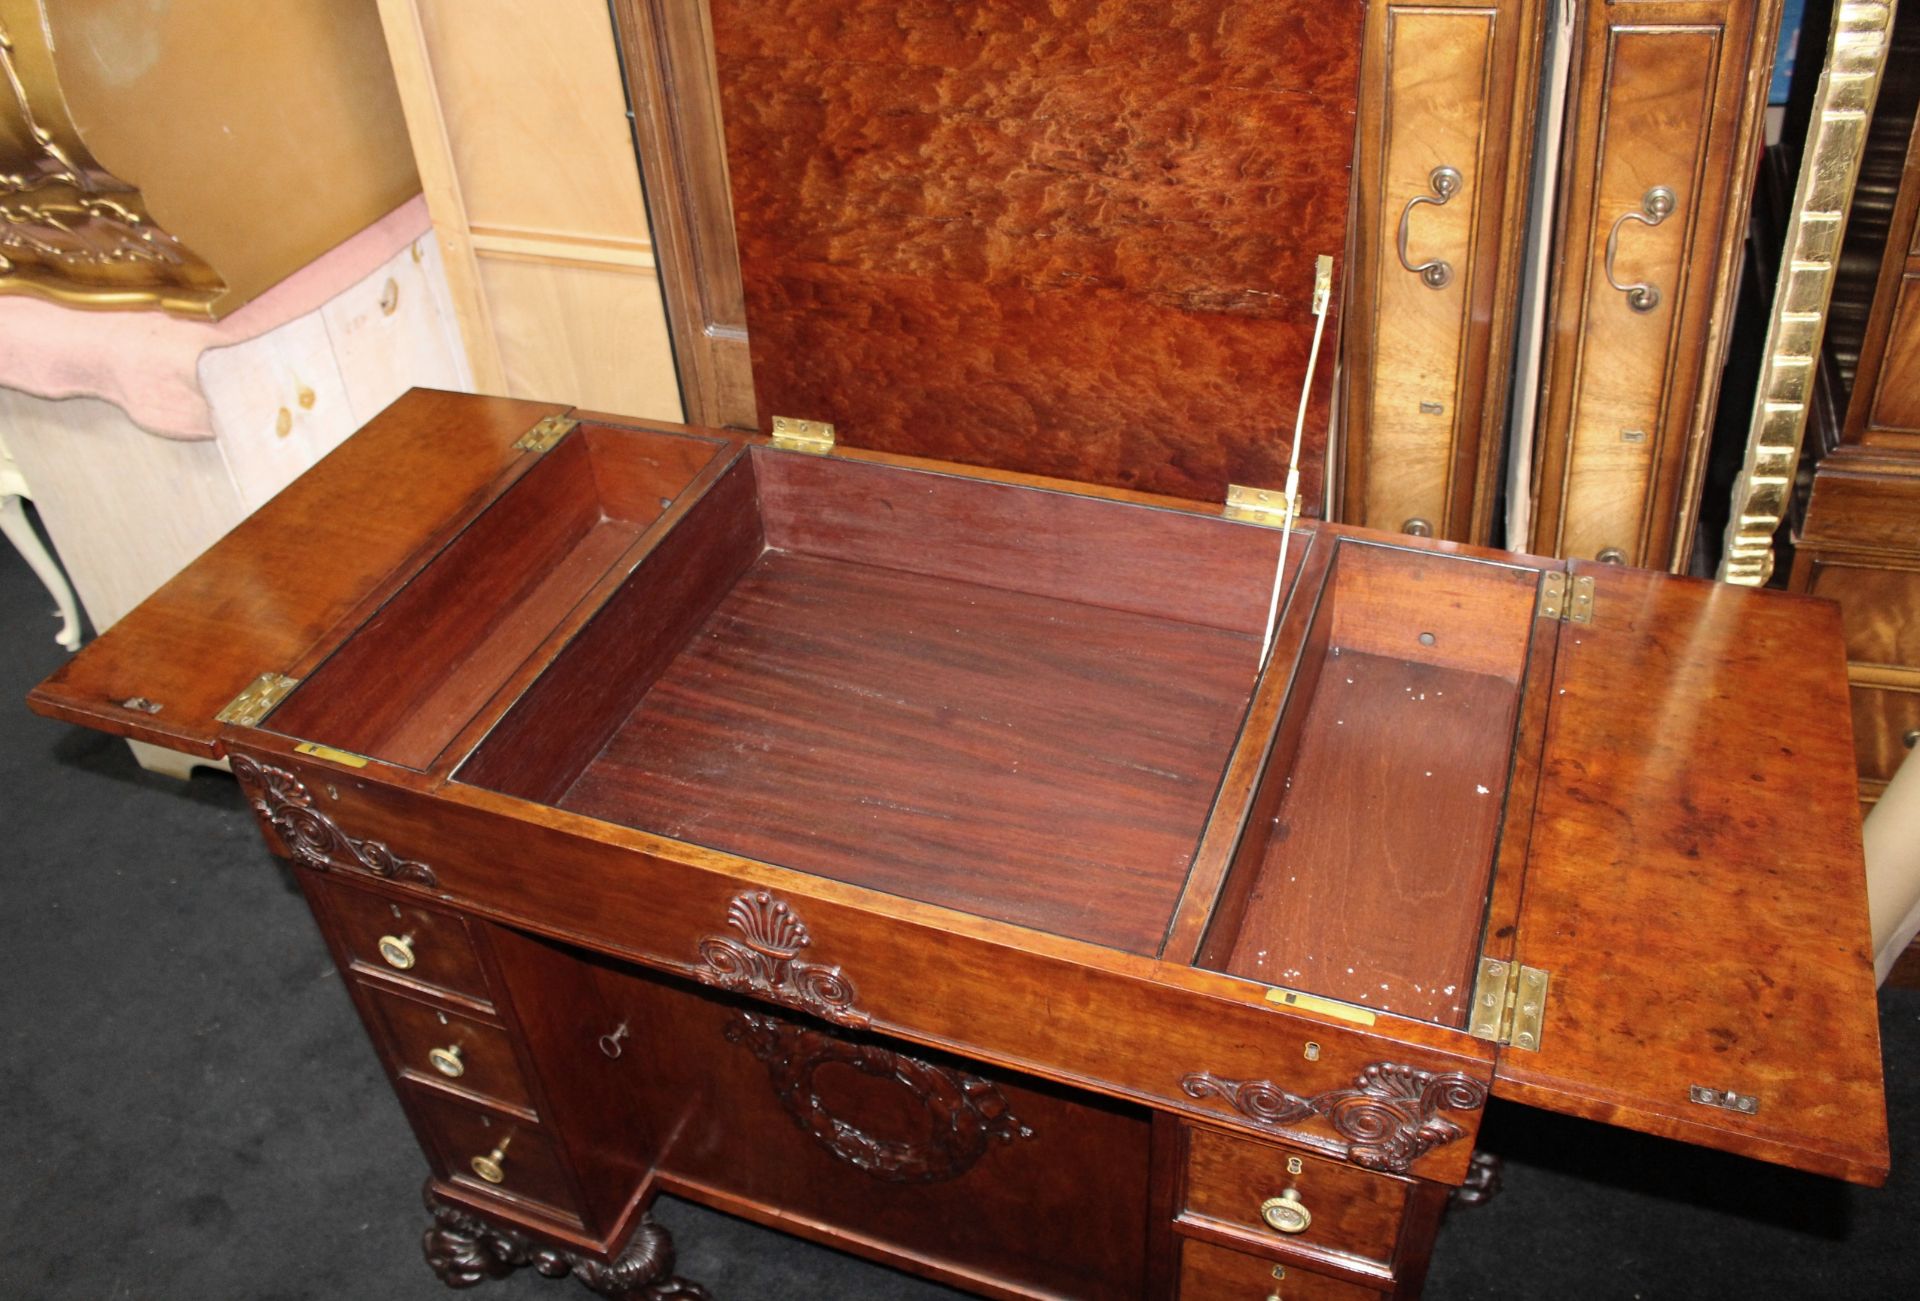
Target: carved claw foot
{"points": [[464, 1250], [1483, 1181]]}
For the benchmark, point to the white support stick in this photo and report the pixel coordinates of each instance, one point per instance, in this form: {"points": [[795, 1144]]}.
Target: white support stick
{"points": [[1322, 291]]}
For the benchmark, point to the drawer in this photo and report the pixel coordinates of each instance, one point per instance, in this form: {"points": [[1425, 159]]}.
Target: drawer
{"points": [[1348, 1210], [449, 1049], [1883, 719], [1879, 611], [402, 938], [468, 1141], [1210, 1273]]}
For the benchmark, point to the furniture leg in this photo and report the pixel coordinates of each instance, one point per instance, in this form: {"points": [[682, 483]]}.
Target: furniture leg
{"points": [[19, 530], [464, 1250], [1483, 1181]]}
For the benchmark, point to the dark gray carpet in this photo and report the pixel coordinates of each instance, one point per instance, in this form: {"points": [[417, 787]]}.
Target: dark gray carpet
{"points": [[188, 1106]]}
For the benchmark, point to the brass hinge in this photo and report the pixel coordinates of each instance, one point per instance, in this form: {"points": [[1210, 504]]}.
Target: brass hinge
{"points": [[251, 705], [794, 435], [546, 433], [1509, 1003], [1571, 602], [1259, 505]]}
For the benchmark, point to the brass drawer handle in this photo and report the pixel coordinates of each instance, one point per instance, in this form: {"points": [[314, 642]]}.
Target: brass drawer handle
{"points": [[1286, 1213], [1656, 205], [1911, 737], [492, 1166], [1434, 273], [447, 1061], [396, 951]]}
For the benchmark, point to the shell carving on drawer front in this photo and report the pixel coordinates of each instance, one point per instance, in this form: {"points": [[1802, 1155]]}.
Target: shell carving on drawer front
{"points": [[1389, 1118], [764, 961], [311, 837], [965, 1114]]}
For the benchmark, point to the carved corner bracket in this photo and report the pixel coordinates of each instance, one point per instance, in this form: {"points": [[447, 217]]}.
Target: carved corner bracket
{"points": [[463, 1250], [311, 837], [1388, 1119], [765, 961], [965, 1114]]}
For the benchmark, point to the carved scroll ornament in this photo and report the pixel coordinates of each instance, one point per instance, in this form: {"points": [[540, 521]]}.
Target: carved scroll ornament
{"points": [[764, 961], [965, 1114], [464, 1250], [1388, 1119], [311, 837]]}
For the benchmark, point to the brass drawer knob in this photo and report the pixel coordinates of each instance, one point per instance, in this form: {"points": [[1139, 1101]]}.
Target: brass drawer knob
{"points": [[492, 1166], [1286, 1213], [447, 1061], [397, 951]]}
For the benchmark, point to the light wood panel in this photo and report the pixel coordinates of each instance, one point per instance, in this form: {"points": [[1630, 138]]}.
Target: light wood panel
{"points": [[1667, 97], [1446, 84], [518, 113]]}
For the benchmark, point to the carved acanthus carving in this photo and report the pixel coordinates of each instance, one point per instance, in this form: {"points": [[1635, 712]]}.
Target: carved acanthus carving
{"points": [[463, 1250], [311, 837], [965, 1114], [764, 961], [1389, 1118]]}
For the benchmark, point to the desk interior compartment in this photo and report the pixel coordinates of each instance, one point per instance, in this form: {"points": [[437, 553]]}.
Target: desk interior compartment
{"points": [[991, 696], [1364, 871], [433, 655]]}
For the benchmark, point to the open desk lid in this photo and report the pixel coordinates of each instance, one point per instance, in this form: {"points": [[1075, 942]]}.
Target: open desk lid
{"points": [[1074, 240], [1695, 886], [282, 584]]}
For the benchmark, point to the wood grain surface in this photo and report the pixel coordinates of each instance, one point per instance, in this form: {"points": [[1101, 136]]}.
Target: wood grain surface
{"points": [[1072, 239], [1014, 756]]}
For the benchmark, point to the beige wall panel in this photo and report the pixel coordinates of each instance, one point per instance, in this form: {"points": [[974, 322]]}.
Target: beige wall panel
{"points": [[591, 336], [536, 117], [1659, 83], [1437, 87]]}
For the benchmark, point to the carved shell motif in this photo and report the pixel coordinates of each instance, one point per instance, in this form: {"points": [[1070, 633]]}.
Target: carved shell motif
{"points": [[1389, 1118], [764, 961], [311, 837]]}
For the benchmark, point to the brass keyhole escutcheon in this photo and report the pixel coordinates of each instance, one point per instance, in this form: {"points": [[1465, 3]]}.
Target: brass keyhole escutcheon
{"points": [[1286, 1213], [492, 1166], [447, 1061], [397, 951]]}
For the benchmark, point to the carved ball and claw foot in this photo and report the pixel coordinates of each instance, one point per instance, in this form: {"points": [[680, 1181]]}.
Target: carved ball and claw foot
{"points": [[1483, 1181], [464, 1250]]}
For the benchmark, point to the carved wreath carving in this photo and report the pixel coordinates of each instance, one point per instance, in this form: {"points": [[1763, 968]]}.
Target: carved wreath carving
{"points": [[464, 1250], [764, 961], [965, 1114], [311, 837], [1389, 1118]]}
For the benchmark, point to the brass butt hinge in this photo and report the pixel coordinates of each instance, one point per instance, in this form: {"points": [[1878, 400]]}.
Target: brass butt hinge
{"points": [[1568, 601], [545, 434], [251, 705], [1259, 505], [793, 435], [1509, 1003]]}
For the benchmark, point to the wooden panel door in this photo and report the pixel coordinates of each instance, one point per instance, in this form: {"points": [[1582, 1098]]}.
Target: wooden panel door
{"points": [[1446, 144], [1659, 163]]}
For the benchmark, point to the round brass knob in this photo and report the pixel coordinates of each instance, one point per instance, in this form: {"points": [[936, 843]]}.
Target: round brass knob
{"points": [[492, 1166], [1611, 556], [447, 1061], [1417, 527], [397, 951], [1285, 1213]]}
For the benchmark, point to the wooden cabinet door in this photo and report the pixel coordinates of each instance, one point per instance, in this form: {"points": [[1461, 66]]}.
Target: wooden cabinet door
{"points": [[1446, 138], [1660, 154]]}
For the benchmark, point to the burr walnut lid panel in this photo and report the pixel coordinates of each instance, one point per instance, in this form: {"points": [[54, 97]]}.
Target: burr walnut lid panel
{"points": [[1068, 239]]}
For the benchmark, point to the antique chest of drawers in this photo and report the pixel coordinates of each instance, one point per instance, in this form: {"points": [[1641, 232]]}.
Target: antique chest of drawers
{"points": [[890, 831]]}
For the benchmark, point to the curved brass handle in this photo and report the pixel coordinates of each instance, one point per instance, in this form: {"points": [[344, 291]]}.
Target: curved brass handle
{"points": [[1656, 205], [1434, 273]]}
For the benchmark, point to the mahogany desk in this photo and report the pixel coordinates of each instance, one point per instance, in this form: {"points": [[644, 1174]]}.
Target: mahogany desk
{"points": [[921, 859]]}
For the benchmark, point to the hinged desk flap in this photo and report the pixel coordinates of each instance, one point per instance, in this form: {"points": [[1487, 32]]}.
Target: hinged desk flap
{"points": [[266, 593], [1695, 885], [1075, 240]]}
